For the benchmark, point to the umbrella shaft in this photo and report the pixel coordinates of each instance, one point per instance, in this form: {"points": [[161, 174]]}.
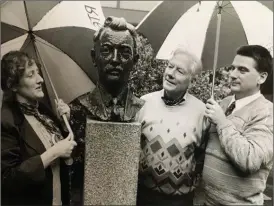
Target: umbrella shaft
{"points": [[51, 84], [45, 70], [216, 51]]}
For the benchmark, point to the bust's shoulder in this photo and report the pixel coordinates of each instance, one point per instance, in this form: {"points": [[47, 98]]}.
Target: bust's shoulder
{"points": [[137, 101], [88, 98], [83, 97]]}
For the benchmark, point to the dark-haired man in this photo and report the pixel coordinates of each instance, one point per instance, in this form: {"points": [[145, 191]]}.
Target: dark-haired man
{"points": [[239, 154]]}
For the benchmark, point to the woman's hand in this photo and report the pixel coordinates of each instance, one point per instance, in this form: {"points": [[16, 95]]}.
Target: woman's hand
{"points": [[61, 149], [62, 109], [64, 147]]}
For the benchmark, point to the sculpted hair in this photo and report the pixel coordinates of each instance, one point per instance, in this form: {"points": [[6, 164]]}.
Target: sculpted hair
{"points": [[260, 54], [196, 64], [117, 24]]}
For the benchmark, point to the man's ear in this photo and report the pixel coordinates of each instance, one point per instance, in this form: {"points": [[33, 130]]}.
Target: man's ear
{"points": [[263, 77], [136, 58]]}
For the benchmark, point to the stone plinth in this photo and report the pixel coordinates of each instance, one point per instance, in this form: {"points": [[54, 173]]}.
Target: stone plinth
{"points": [[111, 163]]}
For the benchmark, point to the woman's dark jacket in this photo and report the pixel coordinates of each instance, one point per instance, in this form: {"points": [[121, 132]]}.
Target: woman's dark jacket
{"points": [[24, 179]]}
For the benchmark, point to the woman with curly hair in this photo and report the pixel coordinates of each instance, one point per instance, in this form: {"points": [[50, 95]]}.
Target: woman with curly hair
{"points": [[32, 167]]}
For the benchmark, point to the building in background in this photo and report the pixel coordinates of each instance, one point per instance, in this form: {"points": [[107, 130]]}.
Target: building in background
{"points": [[132, 11]]}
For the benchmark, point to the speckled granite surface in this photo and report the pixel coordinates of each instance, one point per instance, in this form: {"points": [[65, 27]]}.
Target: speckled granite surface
{"points": [[111, 164]]}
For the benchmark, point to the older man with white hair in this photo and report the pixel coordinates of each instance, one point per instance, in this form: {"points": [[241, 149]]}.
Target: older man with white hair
{"points": [[173, 136]]}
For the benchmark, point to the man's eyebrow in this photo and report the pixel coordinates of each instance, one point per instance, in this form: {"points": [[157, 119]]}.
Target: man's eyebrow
{"points": [[125, 45], [119, 45]]}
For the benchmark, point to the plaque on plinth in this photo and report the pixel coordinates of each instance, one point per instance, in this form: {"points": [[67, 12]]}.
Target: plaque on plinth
{"points": [[111, 163]]}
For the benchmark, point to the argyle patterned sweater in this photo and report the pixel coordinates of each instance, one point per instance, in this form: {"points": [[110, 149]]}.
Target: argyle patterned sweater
{"points": [[171, 137]]}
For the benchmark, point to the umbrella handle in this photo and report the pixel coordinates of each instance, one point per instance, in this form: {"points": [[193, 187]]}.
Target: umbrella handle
{"points": [[68, 161], [216, 51], [67, 123]]}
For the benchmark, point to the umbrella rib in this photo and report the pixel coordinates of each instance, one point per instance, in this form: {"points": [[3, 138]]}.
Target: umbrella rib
{"points": [[226, 5], [61, 51], [27, 14], [231, 15], [18, 30], [48, 11], [15, 28], [29, 40], [49, 45]]}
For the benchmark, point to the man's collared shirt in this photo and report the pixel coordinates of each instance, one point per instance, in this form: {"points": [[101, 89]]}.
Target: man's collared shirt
{"points": [[173, 102], [244, 101]]}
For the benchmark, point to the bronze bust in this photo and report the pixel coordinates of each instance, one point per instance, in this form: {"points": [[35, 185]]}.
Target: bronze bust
{"points": [[114, 55]]}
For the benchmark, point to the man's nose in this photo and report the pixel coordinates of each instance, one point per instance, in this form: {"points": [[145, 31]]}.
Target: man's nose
{"points": [[170, 72], [233, 73], [115, 56]]}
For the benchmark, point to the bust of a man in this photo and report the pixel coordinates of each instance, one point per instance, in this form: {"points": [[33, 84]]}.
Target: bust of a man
{"points": [[114, 55]]}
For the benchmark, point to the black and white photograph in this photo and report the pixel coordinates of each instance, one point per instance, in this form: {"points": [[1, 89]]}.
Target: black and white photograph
{"points": [[145, 103]]}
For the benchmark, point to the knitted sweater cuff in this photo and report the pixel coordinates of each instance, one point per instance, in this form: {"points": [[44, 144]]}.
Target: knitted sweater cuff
{"points": [[223, 125]]}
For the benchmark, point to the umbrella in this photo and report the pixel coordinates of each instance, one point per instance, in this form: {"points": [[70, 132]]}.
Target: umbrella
{"points": [[213, 30], [59, 34]]}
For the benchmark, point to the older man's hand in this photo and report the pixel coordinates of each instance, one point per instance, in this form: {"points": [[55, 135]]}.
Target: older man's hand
{"points": [[214, 112]]}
